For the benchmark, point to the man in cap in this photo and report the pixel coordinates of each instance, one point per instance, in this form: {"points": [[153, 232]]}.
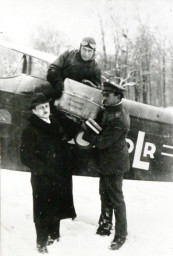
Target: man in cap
{"points": [[78, 65], [113, 161], [43, 151]]}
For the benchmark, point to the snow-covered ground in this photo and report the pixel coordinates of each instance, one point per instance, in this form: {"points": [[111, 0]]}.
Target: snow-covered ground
{"points": [[149, 212]]}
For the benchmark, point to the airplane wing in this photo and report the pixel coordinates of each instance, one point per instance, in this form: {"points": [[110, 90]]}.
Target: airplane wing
{"points": [[28, 51]]}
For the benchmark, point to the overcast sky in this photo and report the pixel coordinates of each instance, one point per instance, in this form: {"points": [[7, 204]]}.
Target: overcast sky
{"points": [[77, 18]]}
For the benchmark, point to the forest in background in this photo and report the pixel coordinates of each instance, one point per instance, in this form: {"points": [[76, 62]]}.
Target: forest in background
{"points": [[143, 59]]}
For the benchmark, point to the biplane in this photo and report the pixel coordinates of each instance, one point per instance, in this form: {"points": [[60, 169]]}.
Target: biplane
{"points": [[150, 140]]}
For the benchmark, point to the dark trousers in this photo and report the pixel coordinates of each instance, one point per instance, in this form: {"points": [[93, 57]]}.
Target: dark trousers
{"points": [[45, 228], [112, 198]]}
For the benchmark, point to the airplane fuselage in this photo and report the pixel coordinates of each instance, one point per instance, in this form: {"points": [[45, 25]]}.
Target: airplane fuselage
{"points": [[150, 139]]}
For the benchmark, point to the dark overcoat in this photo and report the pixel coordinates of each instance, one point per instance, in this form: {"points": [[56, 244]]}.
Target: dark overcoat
{"points": [[71, 65], [113, 156], [45, 153]]}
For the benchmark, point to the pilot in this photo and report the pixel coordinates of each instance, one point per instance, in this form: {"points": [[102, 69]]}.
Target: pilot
{"points": [[78, 65], [43, 150], [113, 161]]}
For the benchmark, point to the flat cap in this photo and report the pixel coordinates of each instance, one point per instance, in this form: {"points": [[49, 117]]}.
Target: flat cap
{"points": [[111, 87]]}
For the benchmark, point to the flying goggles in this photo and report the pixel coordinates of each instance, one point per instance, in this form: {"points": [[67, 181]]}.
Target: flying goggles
{"points": [[90, 45]]}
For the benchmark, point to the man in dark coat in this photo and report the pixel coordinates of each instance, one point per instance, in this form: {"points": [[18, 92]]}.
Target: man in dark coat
{"points": [[113, 161], [78, 65], [43, 151]]}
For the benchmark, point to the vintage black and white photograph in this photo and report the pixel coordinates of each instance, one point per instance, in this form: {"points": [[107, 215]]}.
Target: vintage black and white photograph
{"points": [[86, 127]]}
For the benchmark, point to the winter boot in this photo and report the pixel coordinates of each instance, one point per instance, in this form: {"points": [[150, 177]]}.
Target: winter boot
{"points": [[117, 242], [42, 248], [104, 230], [51, 240]]}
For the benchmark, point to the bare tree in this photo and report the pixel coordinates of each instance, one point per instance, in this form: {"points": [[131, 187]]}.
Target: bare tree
{"points": [[47, 39], [103, 40]]}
